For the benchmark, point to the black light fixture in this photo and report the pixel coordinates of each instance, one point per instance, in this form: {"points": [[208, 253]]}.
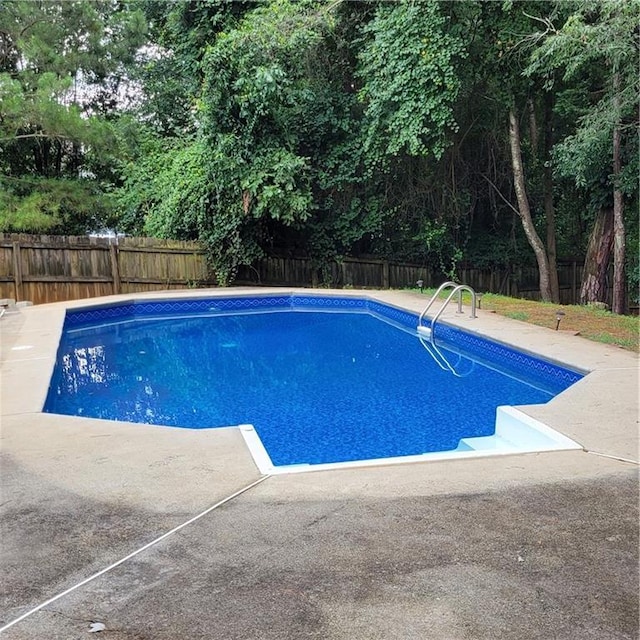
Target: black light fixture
{"points": [[559, 315], [479, 299], [420, 284]]}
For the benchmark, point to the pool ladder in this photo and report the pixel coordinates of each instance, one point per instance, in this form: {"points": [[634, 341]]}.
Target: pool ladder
{"points": [[425, 332], [457, 288]]}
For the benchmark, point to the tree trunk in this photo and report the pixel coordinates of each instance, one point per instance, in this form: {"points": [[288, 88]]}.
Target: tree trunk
{"points": [[533, 125], [619, 280], [58, 161], [549, 208], [596, 264], [46, 164], [524, 210]]}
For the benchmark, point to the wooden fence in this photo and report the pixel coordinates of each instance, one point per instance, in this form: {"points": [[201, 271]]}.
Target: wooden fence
{"points": [[55, 268], [360, 273]]}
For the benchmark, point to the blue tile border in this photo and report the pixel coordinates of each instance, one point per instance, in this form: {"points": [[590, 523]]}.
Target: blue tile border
{"points": [[400, 316], [511, 361], [91, 315], [533, 369], [328, 302]]}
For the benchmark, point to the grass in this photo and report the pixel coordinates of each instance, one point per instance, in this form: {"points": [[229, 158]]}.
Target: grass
{"points": [[517, 315], [589, 322]]}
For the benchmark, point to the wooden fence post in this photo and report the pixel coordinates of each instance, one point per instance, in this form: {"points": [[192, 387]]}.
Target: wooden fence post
{"points": [[385, 274], [17, 271], [115, 269]]}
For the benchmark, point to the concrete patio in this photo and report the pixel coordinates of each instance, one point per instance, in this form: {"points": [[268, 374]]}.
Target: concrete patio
{"points": [[522, 546]]}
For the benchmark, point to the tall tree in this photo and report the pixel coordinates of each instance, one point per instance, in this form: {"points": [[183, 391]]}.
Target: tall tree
{"points": [[60, 68], [524, 209], [513, 156], [599, 39]]}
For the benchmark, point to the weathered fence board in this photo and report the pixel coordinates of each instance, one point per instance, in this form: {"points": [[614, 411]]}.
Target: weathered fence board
{"points": [[56, 268], [362, 274]]}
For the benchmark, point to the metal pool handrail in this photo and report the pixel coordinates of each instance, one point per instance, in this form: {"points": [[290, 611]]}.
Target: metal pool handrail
{"points": [[440, 289], [458, 288]]}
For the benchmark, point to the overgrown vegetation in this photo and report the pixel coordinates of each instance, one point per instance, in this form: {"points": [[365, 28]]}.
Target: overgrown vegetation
{"points": [[438, 132]]}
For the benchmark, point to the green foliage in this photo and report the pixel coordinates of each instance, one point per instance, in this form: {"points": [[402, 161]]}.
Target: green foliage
{"points": [[253, 91], [61, 63], [597, 47], [436, 238], [597, 40], [171, 69], [52, 206], [313, 126], [58, 55], [164, 191], [410, 84], [33, 213]]}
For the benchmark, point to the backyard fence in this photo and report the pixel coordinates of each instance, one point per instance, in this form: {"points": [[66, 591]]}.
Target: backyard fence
{"points": [[55, 268], [360, 273]]}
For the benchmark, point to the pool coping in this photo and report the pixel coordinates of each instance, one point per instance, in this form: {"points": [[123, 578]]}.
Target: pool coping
{"points": [[31, 353]]}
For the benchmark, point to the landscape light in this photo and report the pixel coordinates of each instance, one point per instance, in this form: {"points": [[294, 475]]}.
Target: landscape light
{"points": [[559, 315]]}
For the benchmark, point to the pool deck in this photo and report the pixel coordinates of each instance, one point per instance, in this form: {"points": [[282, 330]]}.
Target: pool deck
{"points": [[515, 547]]}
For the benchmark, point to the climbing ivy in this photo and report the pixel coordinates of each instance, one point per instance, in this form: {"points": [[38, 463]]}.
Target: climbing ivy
{"points": [[410, 81]]}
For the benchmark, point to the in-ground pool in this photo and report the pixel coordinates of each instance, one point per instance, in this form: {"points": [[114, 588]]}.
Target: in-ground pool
{"points": [[313, 380]]}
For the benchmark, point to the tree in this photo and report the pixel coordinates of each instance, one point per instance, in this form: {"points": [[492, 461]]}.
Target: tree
{"points": [[599, 39], [55, 59], [408, 67], [243, 163], [596, 265], [408, 130], [503, 156], [276, 134], [524, 210], [409, 81]]}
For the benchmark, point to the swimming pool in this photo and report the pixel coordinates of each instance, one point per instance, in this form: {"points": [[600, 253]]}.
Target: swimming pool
{"points": [[314, 381]]}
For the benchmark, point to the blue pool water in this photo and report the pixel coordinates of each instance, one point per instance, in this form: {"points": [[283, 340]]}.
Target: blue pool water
{"points": [[354, 383]]}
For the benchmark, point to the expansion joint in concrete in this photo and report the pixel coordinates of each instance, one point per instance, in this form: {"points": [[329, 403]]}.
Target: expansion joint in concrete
{"points": [[619, 458], [134, 553]]}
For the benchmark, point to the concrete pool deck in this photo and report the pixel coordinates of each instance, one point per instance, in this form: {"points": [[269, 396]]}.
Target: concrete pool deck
{"points": [[521, 546]]}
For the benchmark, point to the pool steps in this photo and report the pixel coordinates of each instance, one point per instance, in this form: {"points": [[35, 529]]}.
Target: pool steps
{"points": [[440, 359], [427, 332], [518, 432], [515, 433]]}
